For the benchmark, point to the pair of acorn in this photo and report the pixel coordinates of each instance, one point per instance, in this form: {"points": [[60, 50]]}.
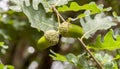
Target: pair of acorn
{"points": [[51, 37]]}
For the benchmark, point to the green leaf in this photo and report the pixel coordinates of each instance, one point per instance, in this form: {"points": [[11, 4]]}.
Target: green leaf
{"points": [[9, 66], [92, 7], [75, 7], [4, 34], [115, 14], [72, 58], [117, 57], [57, 56], [108, 42], [39, 19], [1, 43], [1, 66], [107, 61], [100, 22]]}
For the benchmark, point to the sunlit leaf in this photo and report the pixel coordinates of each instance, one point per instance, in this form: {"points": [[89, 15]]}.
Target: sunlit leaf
{"points": [[1, 66], [9, 66], [75, 7], [92, 7], [114, 14], [108, 43], [117, 57], [57, 56], [1, 43]]}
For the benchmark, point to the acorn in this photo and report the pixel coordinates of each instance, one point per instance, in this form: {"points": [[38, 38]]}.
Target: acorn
{"points": [[50, 38], [70, 30]]}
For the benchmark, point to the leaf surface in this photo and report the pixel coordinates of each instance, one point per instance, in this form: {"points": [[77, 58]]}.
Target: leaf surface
{"points": [[35, 3], [39, 19], [57, 56], [92, 7], [109, 43], [100, 22]]}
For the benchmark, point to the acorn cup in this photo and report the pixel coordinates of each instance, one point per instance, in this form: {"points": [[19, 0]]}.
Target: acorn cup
{"points": [[70, 30], [50, 38]]}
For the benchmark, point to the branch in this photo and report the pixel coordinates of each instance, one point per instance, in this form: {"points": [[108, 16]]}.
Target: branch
{"points": [[99, 64], [55, 10]]}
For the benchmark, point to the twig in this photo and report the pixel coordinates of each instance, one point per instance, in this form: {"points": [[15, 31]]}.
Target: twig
{"points": [[101, 67], [98, 63], [55, 10]]}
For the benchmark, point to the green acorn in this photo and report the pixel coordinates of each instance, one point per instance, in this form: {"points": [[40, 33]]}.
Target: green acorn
{"points": [[70, 30], [50, 38]]}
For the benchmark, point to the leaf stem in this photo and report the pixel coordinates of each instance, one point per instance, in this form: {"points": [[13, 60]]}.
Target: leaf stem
{"points": [[98, 63], [55, 10]]}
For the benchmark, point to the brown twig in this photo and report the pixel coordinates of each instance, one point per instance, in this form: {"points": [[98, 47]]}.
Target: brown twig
{"points": [[98, 63], [55, 10]]}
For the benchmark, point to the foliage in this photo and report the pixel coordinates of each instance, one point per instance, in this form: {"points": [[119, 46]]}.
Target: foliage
{"points": [[19, 39], [100, 22], [46, 22], [46, 3], [92, 7], [71, 58], [6, 66], [3, 47], [43, 23], [1, 43], [57, 56], [108, 43], [105, 59]]}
